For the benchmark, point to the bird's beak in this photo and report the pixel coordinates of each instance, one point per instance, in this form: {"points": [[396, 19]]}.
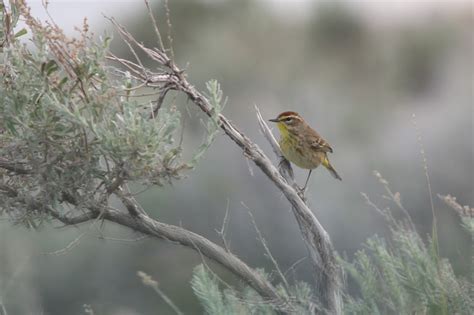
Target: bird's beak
{"points": [[274, 120]]}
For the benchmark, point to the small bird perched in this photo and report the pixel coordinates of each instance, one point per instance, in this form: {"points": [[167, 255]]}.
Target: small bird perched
{"points": [[302, 145]]}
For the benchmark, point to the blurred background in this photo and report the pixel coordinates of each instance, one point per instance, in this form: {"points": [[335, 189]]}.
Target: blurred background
{"points": [[356, 70]]}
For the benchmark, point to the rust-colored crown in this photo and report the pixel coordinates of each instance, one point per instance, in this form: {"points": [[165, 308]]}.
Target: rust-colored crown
{"points": [[289, 113]]}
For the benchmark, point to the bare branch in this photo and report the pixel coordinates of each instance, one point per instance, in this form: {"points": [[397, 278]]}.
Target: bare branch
{"points": [[131, 66], [142, 223], [148, 226]]}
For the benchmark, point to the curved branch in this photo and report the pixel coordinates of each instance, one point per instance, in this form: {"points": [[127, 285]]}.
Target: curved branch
{"points": [[141, 222], [78, 219], [149, 226]]}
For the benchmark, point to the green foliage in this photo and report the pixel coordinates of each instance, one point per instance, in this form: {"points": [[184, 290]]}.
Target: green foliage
{"points": [[468, 225], [405, 276], [216, 301], [74, 123], [215, 96]]}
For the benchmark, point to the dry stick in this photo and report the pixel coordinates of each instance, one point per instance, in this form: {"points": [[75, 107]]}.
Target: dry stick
{"points": [[267, 250], [155, 25], [294, 265]]}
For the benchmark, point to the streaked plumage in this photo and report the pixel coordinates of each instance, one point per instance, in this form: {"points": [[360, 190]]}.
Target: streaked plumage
{"points": [[302, 145]]}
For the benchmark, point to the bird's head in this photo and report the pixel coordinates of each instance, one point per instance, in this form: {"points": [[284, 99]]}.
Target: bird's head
{"points": [[288, 122]]}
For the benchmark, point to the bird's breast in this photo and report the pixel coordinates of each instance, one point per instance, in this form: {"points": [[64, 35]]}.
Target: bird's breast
{"points": [[296, 153]]}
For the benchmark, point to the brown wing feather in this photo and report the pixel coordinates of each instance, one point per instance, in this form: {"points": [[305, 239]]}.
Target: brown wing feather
{"points": [[321, 145], [318, 143]]}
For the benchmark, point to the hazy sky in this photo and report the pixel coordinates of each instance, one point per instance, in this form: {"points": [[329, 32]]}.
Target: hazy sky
{"points": [[69, 13]]}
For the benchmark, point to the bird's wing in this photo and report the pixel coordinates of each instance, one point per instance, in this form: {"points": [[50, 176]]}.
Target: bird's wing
{"points": [[320, 144]]}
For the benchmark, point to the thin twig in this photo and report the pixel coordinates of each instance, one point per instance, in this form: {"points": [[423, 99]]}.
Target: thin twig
{"points": [[293, 266], [222, 231], [125, 240], [425, 167], [68, 247], [124, 35], [395, 197], [148, 281], [170, 27], [2, 306], [385, 213], [209, 269], [131, 66], [155, 25], [267, 250], [164, 90]]}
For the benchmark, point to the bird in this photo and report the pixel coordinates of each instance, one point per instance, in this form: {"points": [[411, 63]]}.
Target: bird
{"points": [[302, 145]]}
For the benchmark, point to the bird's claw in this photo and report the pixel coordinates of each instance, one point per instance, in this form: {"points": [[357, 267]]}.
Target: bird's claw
{"points": [[301, 192]]}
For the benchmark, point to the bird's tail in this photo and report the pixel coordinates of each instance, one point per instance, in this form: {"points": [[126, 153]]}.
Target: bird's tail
{"points": [[331, 169]]}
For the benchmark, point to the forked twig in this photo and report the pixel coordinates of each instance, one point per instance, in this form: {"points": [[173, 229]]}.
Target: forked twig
{"points": [[222, 231]]}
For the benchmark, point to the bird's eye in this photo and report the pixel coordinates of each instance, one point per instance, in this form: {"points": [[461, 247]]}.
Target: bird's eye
{"points": [[288, 120]]}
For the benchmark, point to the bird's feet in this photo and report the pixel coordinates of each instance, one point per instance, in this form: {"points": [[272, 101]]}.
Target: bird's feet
{"points": [[301, 192]]}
